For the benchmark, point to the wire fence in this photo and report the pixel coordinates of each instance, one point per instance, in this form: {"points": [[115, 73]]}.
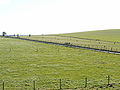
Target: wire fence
{"points": [[61, 84]]}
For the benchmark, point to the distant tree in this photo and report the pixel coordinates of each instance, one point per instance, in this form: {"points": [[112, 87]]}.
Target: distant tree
{"points": [[29, 35], [14, 35], [4, 33], [18, 35]]}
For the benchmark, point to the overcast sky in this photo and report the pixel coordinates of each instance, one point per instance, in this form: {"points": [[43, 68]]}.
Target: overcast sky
{"points": [[58, 16]]}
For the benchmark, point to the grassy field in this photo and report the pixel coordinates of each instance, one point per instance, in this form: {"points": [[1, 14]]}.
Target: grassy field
{"points": [[93, 39], [108, 35], [21, 62]]}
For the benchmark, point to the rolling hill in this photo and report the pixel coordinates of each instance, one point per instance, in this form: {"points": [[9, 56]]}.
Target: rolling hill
{"points": [[102, 40], [22, 62], [108, 35]]}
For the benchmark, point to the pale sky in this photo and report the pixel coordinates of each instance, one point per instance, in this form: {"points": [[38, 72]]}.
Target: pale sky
{"points": [[58, 16]]}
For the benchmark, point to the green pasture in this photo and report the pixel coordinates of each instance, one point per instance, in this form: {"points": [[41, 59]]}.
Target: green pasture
{"points": [[25, 61], [93, 39], [109, 35]]}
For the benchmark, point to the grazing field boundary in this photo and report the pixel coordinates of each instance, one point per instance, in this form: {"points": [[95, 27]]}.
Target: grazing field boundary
{"points": [[62, 84], [85, 38], [67, 45]]}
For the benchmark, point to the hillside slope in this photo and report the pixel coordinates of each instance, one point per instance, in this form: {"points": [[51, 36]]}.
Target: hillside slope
{"points": [[103, 40], [25, 60], [109, 35]]}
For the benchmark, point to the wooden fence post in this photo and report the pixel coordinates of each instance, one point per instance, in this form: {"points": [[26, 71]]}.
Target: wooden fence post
{"points": [[108, 79], [33, 85], [85, 82], [3, 85], [111, 48], [60, 84]]}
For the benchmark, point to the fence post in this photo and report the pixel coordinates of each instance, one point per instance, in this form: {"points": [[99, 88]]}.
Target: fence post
{"points": [[108, 79], [85, 82], [111, 49], [60, 84], [33, 85], [3, 85]]}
